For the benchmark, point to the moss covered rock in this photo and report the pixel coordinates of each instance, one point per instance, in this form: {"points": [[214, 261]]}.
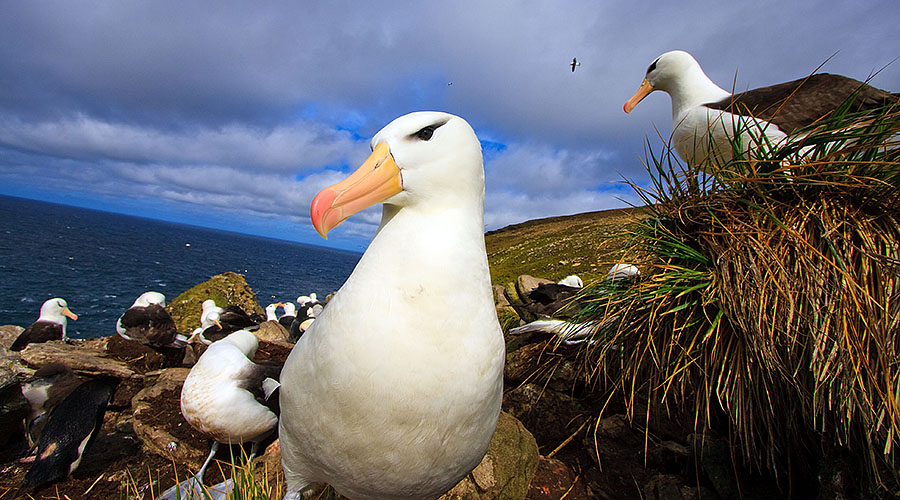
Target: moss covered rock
{"points": [[226, 289], [505, 473]]}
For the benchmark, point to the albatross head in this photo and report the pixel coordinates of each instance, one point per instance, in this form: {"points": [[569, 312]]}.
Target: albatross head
{"points": [[426, 159], [148, 298], [57, 310], [674, 72]]}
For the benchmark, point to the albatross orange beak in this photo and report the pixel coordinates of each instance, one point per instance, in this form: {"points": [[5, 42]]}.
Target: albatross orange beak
{"points": [[642, 92], [376, 180], [66, 312]]}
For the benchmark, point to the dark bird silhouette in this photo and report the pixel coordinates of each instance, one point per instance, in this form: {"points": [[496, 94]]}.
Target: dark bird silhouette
{"points": [[70, 428], [44, 390], [574, 64]]}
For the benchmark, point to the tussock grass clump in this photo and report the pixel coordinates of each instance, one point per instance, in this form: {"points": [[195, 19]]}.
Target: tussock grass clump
{"points": [[771, 298]]}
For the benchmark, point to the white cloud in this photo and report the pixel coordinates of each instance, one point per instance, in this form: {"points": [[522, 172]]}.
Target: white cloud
{"points": [[292, 147], [222, 106]]}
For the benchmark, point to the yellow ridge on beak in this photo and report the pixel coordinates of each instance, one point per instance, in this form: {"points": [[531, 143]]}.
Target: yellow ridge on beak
{"points": [[70, 314], [376, 180], [642, 92]]}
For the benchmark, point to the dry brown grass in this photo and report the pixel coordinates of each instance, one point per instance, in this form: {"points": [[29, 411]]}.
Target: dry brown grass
{"points": [[773, 299]]}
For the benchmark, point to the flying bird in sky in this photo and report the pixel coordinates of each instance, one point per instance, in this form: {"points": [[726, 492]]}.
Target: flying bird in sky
{"points": [[574, 64]]}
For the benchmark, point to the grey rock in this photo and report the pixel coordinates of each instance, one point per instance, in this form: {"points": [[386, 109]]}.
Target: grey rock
{"points": [[83, 357], [525, 284], [272, 331]]}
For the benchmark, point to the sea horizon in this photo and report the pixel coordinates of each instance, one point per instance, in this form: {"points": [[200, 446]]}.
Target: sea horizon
{"points": [[101, 261]]}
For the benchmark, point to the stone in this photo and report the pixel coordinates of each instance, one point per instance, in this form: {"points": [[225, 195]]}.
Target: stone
{"points": [[272, 331], [670, 457], [158, 422], [86, 357], [142, 357], [226, 289], [552, 416], [500, 298], [506, 470], [553, 479], [541, 363], [664, 487], [272, 352], [526, 284], [716, 462], [8, 335], [616, 440], [512, 296]]}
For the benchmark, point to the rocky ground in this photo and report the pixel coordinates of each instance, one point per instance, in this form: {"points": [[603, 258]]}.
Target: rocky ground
{"points": [[549, 443], [543, 448]]}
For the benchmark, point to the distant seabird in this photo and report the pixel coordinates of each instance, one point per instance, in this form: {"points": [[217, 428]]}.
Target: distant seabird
{"points": [[570, 332], [303, 300], [228, 397], [148, 322], [290, 314], [573, 281], [271, 309], [69, 430], [705, 115], [51, 325], [310, 307], [391, 393], [574, 64], [216, 323], [622, 272]]}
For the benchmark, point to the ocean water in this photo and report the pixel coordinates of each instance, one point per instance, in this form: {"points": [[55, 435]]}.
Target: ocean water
{"points": [[100, 262]]}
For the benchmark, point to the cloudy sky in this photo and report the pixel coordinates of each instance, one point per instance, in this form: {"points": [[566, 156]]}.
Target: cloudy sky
{"points": [[234, 114]]}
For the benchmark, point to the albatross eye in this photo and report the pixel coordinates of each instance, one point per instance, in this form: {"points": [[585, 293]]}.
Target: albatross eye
{"points": [[426, 133], [652, 66]]}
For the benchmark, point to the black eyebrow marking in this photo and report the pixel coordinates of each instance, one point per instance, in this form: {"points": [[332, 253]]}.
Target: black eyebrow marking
{"points": [[425, 133]]}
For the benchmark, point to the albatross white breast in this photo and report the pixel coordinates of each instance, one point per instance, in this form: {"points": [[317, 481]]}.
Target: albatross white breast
{"points": [[705, 115], [391, 394]]}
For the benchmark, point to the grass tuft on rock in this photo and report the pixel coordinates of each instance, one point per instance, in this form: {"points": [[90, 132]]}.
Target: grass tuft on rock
{"points": [[770, 301]]}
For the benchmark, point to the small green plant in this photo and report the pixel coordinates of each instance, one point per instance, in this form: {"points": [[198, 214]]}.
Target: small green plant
{"points": [[244, 485]]}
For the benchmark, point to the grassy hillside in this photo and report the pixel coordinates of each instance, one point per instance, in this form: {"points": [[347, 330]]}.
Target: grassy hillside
{"points": [[584, 244]]}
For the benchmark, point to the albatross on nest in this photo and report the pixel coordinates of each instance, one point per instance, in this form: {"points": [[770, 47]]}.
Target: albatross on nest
{"points": [[705, 115], [50, 325], [148, 322], [217, 323], [391, 393]]}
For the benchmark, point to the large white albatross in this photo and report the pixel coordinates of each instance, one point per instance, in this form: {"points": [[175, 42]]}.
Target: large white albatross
{"points": [[705, 115], [391, 394]]}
